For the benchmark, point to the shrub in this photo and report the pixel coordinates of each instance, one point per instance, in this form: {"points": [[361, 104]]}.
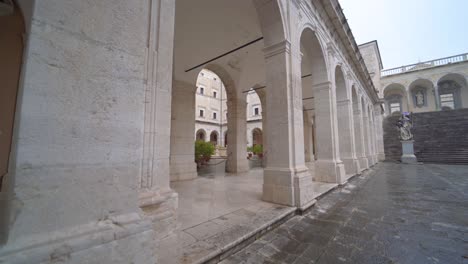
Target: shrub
{"points": [[203, 151], [257, 149]]}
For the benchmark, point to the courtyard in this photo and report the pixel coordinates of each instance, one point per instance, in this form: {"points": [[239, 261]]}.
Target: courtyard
{"points": [[395, 214], [219, 212]]}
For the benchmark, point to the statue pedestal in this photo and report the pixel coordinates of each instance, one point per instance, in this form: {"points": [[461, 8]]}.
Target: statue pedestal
{"points": [[408, 156]]}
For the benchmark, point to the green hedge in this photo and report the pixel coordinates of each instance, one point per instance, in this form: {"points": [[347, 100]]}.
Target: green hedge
{"points": [[203, 151]]}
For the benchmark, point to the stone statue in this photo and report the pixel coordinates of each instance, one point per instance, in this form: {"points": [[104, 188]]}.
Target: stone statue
{"points": [[405, 124], [419, 99]]}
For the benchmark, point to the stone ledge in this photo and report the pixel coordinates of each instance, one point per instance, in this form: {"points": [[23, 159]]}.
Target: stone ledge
{"points": [[66, 243]]}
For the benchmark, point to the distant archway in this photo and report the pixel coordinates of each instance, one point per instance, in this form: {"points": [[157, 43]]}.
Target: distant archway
{"points": [[453, 91], [314, 73], [257, 137], [395, 99], [345, 127], [225, 139], [421, 95], [214, 138], [201, 135]]}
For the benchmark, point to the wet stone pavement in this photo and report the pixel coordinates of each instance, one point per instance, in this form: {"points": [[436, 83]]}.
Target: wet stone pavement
{"points": [[393, 213]]}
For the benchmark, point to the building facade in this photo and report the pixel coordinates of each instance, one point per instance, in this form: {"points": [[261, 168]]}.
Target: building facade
{"points": [[211, 111], [106, 100], [439, 84]]}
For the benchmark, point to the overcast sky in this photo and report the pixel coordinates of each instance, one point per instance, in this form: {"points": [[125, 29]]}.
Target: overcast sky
{"points": [[410, 31]]}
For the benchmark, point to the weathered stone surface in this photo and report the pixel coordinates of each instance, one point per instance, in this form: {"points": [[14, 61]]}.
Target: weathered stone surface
{"points": [[439, 137], [398, 214]]}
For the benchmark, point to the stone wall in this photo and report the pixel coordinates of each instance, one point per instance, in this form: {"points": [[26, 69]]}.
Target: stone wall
{"points": [[440, 137]]}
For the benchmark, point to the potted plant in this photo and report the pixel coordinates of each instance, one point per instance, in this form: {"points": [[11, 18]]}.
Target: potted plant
{"points": [[258, 150], [203, 152], [249, 152]]}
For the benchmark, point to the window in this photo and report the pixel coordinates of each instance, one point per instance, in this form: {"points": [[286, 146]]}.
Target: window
{"points": [[256, 111], [202, 90], [215, 94], [394, 107], [447, 101], [202, 113], [215, 115]]}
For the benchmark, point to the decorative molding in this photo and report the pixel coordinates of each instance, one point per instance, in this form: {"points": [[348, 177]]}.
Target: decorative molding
{"points": [[278, 48]]}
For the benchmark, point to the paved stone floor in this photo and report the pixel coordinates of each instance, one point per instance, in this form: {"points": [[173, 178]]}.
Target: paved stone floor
{"points": [[398, 214], [216, 210]]}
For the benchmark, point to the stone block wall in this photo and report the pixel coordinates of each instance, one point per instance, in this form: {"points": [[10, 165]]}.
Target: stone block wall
{"points": [[440, 137]]}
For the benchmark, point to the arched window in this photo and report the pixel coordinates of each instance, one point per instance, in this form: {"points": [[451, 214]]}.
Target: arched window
{"points": [[419, 95], [449, 93], [201, 135], [394, 104], [257, 137], [214, 138], [395, 96]]}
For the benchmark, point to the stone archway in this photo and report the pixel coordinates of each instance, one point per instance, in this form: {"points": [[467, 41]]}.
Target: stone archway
{"points": [[318, 105], [345, 123], [214, 138], [453, 91], [421, 96], [257, 137], [359, 129], [200, 135], [396, 99]]}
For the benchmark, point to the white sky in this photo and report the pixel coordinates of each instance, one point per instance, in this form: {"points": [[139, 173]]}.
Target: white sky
{"points": [[410, 31]]}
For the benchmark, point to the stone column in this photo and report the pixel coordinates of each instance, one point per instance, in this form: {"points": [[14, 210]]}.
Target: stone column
{"points": [[437, 96], [78, 139], [237, 137], [374, 137], [308, 140], [346, 134], [158, 201], [359, 135], [182, 164], [286, 178], [368, 136], [379, 134], [261, 94], [365, 139], [328, 166]]}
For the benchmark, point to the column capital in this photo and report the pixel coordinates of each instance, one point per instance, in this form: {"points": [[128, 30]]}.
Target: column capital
{"points": [[322, 86], [278, 48], [343, 102]]}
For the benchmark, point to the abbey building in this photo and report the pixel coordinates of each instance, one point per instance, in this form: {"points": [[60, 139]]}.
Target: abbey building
{"points": [[103, 101]]}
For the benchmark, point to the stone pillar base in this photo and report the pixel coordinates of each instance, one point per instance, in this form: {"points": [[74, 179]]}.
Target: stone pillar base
{"points": [[161, 209], [304, 193], [381, 156], [183, 169], [364, 162], [237, 166], [118, 239], [352, 166], [376, 159], [330, 171], [278, 186], [311, 167], [408, 156], [283, 186]]}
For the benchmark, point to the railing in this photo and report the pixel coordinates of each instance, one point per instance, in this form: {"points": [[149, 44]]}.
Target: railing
{"points": [[425, 65]]}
